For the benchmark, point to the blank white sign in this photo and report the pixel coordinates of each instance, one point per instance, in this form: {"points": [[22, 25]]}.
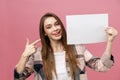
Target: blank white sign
{"points": [[86, 29]]}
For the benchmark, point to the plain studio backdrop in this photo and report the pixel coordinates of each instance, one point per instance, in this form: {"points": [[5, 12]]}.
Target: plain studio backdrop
{"points": [[19, 19]]}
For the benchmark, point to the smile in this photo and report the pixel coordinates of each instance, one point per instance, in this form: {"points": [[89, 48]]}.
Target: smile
{"points": [[57, 34]]}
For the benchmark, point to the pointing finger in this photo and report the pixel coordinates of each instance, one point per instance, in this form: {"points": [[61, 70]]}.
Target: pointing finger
{"points": [[35, 42]]}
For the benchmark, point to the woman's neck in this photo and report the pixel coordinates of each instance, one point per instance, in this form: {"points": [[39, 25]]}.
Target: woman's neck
{"points": [[57, 46]]}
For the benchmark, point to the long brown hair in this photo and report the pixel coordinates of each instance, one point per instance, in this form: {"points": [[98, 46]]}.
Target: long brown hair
{"points": [[47, 51]]}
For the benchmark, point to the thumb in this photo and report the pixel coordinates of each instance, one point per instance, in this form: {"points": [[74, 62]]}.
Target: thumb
{"points": [[27, 41]]}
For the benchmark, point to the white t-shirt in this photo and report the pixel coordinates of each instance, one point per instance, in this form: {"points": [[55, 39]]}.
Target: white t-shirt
{"points": [[61, 65]]}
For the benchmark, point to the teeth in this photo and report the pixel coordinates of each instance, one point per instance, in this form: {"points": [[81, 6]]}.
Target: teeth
{"points": [[57, 33]]}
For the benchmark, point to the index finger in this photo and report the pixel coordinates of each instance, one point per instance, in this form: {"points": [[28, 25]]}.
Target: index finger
{"points": [[35, 42]]}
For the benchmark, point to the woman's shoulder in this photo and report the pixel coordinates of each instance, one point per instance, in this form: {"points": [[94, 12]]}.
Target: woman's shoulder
{"points": [[80, 46]]}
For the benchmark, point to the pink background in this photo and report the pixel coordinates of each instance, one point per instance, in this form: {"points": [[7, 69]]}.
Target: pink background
{"points": [[20, 19]]}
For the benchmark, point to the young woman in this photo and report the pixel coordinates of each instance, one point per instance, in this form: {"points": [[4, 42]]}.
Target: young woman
{"points": [[56, 60]]}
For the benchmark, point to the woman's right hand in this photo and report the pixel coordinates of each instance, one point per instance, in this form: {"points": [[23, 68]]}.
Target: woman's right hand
{"points": [[30, 48]]}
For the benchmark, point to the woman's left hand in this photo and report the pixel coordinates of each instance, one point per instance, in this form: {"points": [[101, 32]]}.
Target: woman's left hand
{"points": [[111, 33]]}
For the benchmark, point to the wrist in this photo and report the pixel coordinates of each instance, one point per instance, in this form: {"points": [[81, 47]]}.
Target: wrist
{"points": [[110, 41]]}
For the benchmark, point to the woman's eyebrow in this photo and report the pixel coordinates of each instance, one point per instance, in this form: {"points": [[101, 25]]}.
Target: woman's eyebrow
{"points": [[47, 25]]}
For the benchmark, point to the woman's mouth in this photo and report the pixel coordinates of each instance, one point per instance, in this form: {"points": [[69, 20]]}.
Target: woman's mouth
{"points": [[57, 34]]}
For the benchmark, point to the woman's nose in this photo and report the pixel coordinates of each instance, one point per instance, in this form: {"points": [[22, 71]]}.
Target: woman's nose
{"points": [[54, 28]]}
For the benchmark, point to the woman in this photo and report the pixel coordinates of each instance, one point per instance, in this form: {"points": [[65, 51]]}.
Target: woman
{"points": [[56, 60]]}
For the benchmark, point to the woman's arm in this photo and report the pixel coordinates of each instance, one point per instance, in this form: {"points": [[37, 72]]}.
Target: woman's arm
{"points": [[106, 61], [111, 34], [26, 59], [29, 50], [27, 71]]}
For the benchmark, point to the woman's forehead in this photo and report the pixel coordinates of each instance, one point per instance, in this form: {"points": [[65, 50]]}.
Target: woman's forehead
{"points": [[50, 20]]}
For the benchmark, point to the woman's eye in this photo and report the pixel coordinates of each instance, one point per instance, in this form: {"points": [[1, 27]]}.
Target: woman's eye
{"points": [[56, 23], [48, 27]]}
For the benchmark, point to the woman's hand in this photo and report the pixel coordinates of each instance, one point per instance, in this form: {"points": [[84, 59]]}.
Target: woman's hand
{"points": [[30, 48], [111, 33]]}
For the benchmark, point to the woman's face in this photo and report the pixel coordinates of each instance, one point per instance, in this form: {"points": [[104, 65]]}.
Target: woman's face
{"points": [[52, 29]]}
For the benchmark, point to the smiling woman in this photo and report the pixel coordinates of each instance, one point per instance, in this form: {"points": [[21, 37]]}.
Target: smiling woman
{"points": [[56, 60], [52, 29]]}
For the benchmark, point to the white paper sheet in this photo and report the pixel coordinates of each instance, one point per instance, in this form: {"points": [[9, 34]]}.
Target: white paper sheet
{"points": [[86, 29]]}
